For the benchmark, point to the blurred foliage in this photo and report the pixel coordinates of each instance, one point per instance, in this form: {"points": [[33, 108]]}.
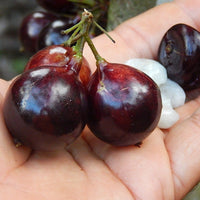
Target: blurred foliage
{"points": [[194, 194], [18, 64], [120, 10], [12, 61]]}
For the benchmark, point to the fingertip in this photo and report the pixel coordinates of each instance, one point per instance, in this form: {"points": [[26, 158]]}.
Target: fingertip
{"points": [[4, 85], [183, 145], [10, 155]]}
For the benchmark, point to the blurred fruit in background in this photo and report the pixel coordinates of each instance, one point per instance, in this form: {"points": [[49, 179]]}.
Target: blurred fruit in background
{"points": [[11, 13], [12, 60]]}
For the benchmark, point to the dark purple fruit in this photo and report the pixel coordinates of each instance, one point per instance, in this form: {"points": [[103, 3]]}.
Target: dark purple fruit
{"points": [[124, 104], [52, 34], [59, 56], [45, 108], [179, 52], [30, 28]]}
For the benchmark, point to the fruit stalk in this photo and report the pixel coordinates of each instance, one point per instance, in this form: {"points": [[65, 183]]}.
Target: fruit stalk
{"points": [[84, 30], [80, 31], [98, 58], [81, 35]]}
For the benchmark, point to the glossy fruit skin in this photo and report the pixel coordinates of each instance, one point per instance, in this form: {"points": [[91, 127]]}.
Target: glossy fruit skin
{"points": [[58, 6], [85, 73], [45, 108], [30, 28], [179, 53], [52, 33], [124, 104], [59, 56]]}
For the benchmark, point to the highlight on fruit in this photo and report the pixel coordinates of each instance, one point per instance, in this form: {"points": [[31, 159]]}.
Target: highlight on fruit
{"points": [[50, 103]]}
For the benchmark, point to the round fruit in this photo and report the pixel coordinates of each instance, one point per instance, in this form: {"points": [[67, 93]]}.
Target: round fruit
{"points": [[45, 108], [52, 33], [30, 28], [179, 53], [85, 73], [124, 104], [59, 56]]}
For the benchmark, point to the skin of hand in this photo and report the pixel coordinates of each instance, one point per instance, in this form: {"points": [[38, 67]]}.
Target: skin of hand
{"points": [[166, 166]]}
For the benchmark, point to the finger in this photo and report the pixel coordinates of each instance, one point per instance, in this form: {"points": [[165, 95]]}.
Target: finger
{"points": [[143, 170], [10, 156], [3, 87], [141, 35], [98, 173], [183, 145], [46, 175], [188, 109]]}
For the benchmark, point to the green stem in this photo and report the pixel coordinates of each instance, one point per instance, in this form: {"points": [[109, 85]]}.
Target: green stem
{"points": [[98, 58], [81, 35], [73, 37], [78, 48], [104, 31], [87, 19], [73, 27], [79, 29]]}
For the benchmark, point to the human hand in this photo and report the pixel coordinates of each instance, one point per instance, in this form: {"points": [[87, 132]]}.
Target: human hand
{"points": [[165, 167]]}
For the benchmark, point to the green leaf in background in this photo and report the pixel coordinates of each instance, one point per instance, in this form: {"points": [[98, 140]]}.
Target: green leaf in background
{"points": [[194, 194], [19, 64]]}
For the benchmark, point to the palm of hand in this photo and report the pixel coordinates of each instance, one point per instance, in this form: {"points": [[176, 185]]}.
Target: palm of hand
{"points": [[90, 169], [165, 167]]}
